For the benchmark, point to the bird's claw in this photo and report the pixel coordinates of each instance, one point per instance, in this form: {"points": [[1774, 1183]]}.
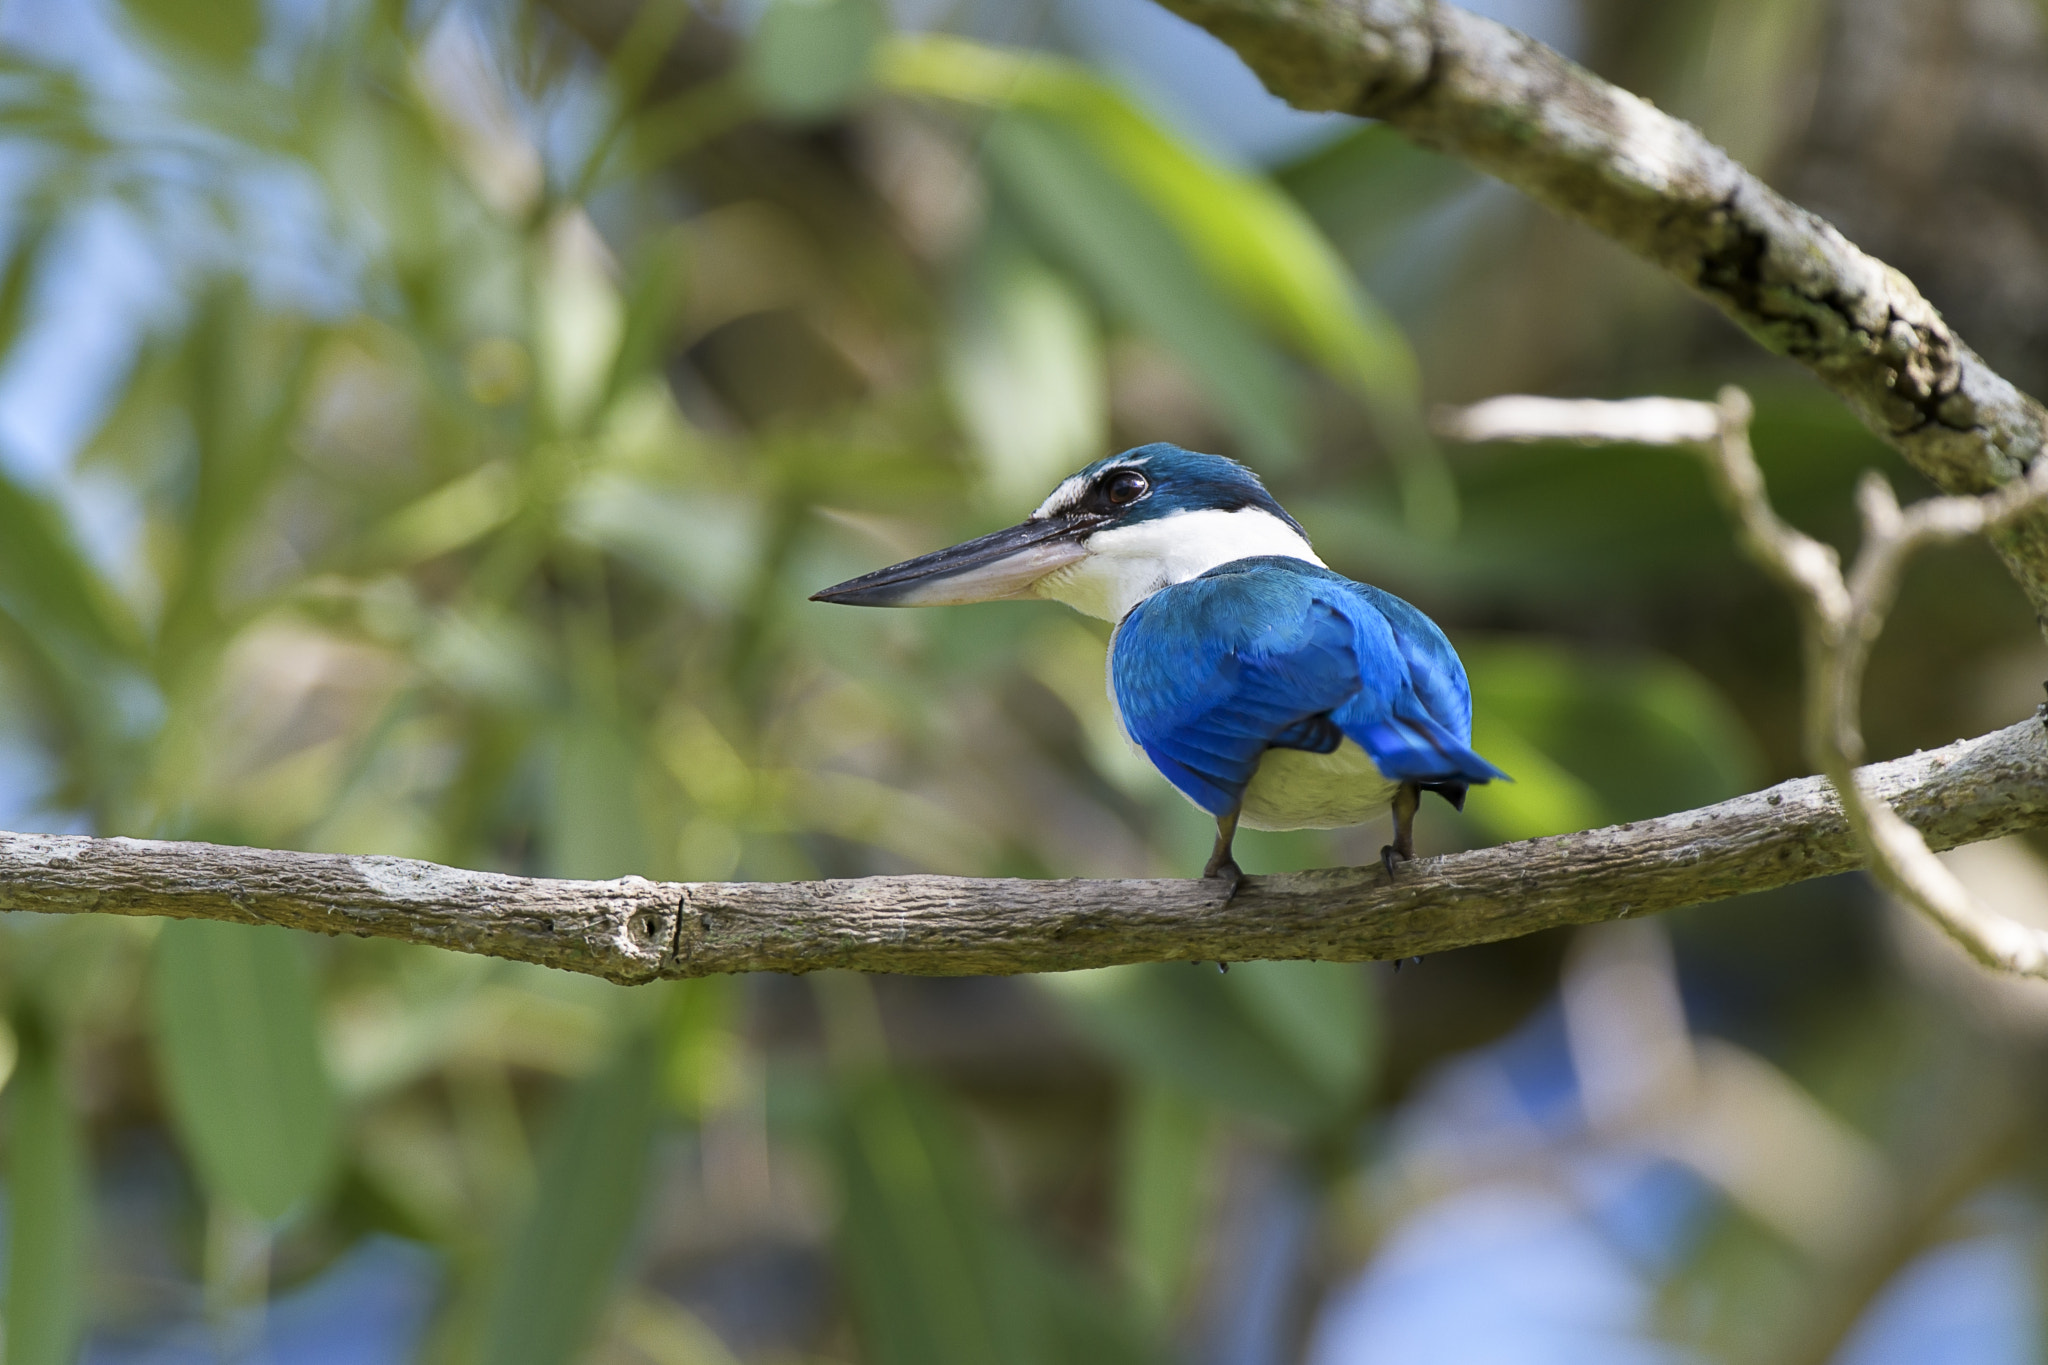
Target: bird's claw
{"points": [[1387, 856], [1226, 872]]}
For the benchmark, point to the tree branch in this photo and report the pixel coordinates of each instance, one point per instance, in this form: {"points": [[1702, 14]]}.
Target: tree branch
{"points": [[633, 930], [1466, 86]]}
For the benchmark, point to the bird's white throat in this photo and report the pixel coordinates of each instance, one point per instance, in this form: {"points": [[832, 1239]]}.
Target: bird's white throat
{"points": [[1127, 564]]}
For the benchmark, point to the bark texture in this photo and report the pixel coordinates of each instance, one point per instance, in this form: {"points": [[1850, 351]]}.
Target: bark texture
{"points": [[1471, 88], [632, 930], [1928, 144]]}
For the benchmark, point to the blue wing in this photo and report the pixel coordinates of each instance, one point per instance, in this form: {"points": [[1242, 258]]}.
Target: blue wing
{"points": [[1278, 653]]}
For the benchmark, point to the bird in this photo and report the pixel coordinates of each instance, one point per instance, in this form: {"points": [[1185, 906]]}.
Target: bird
{"points": [[1268, 689]]}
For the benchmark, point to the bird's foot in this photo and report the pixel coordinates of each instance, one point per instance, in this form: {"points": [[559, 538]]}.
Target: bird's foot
{"points": [[1406, 799], [1225, 871]]}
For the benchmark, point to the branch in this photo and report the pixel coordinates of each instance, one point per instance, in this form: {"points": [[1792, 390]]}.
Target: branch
{"points": [[1840, 618], [1468, 87], [632, 930]]}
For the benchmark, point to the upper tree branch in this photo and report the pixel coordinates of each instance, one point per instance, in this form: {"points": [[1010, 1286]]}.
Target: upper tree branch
{"points": [[1510, 106], [635, 930]]}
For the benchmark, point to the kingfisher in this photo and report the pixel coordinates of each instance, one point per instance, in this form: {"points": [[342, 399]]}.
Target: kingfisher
{"points": [[1269, 690]]}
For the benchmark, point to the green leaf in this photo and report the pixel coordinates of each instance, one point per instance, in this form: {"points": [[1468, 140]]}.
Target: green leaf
{"points": [[1245, 234], [654, 299], [595, 826], [79, 646], [224, 31], [49, 1211], [936, 1276], [701, 543], [1165, 1145], [48, 588], [238, 1055], [1321, 1013], [1095, 223], [1603, 736], [242, 373], [579, 324], [698, 1043], [809, 58], [1296, 1042], [1026, 372], [24, 266], [1365, 189], [561, 1265]]}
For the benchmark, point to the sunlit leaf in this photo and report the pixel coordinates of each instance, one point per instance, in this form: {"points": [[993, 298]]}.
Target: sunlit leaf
{"points": [[704, 544], [1544, 797], [450, 517], [1640, 735], [1026, 367], [1242, 230], [1244, 233], [238, 1054], [560, 1265], [49, 1209], [579, 324]]}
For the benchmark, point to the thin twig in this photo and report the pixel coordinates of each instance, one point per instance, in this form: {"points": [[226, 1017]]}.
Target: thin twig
{"points": [[1840, 617]]}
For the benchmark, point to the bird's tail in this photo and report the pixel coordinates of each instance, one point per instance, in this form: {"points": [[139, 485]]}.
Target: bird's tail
{"points": [[1417, 748]]}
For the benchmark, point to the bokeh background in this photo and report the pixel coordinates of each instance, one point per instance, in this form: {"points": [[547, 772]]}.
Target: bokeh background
{"points": [[421, 425]]}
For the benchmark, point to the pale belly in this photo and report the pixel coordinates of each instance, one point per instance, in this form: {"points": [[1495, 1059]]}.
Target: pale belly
{"points": [[1297, 790]]}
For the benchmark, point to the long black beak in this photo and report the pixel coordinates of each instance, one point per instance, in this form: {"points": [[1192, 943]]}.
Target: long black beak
{"points": [[1005, 564]]}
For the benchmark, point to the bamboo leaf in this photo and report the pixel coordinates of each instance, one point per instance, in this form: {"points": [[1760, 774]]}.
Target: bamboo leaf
{"points": [[1595, 738], [1296, 1042], [223, 31], [239, 1058], [937, 1276], [559, 1270], [1245, 233], [1025, 368], [1166, 1141], [1095, 223], [1320, 1013], [810, 57], [596, 827], [49, 1209]]}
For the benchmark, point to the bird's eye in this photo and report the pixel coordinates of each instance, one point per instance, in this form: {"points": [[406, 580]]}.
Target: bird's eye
{"points": [[1127, 487]]}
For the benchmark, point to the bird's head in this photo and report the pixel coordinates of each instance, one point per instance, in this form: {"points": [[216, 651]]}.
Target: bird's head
{"points": [[1105, 540]]}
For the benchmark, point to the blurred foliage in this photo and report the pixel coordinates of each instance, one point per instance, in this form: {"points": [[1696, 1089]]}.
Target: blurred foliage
{"points": [[488, 387], [239, 1056]]}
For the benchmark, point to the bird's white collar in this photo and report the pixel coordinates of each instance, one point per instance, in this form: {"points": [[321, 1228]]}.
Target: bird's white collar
{"points": [[1127, 564]]}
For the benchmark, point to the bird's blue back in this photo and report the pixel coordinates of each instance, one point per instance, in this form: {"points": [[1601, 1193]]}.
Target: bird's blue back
{"points": [[1274, 652]]}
